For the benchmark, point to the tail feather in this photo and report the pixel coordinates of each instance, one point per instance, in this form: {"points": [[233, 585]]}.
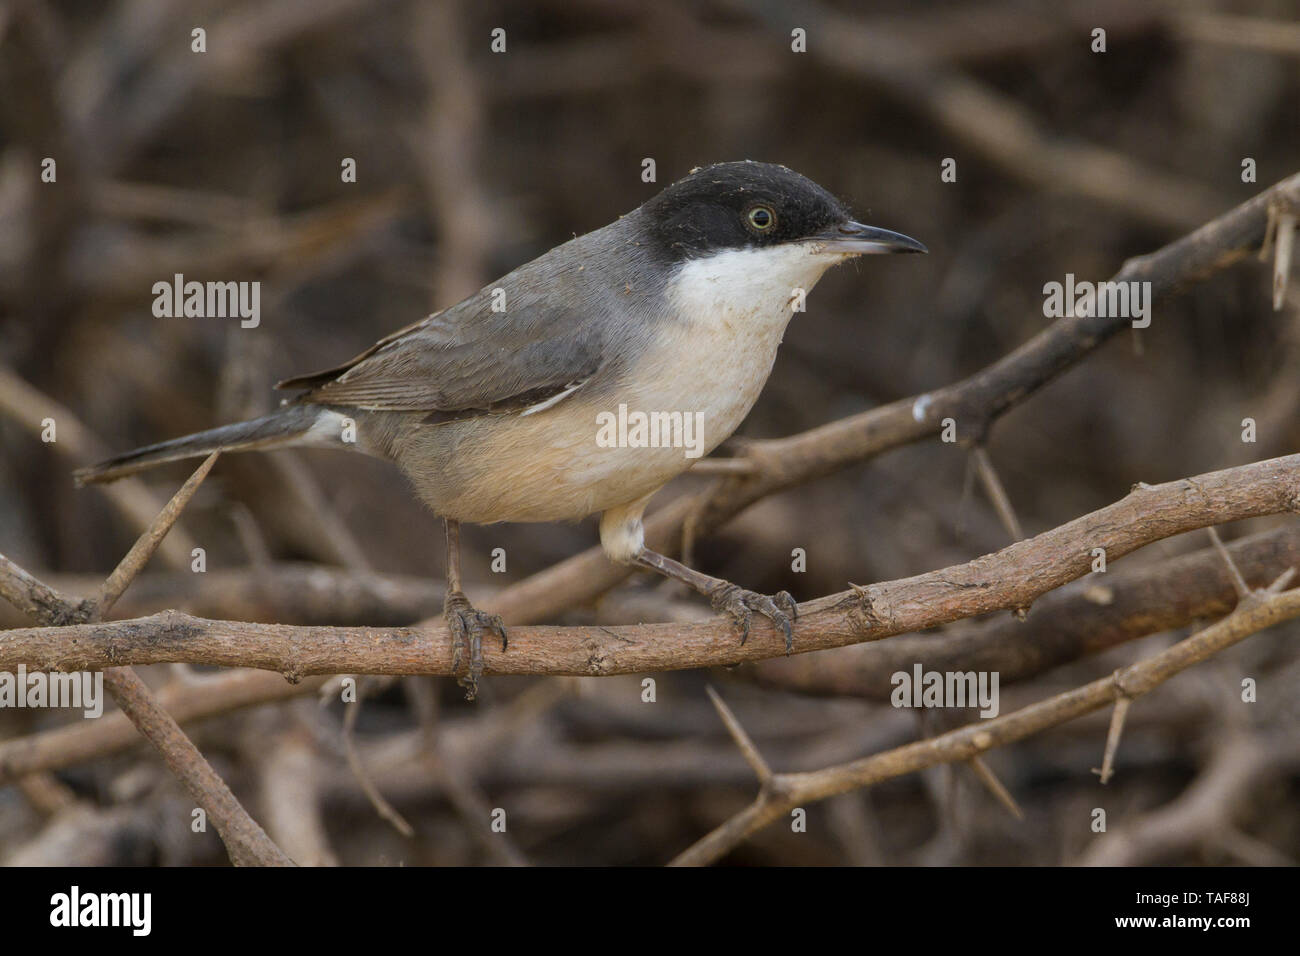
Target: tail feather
{"points": [[284, 426]]}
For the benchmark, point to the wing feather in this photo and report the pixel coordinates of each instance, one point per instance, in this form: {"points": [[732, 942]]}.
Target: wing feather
{"points": [[464, 361]]}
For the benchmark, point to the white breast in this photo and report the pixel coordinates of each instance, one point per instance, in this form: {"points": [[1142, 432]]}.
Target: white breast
{"points": [[732, 310]]}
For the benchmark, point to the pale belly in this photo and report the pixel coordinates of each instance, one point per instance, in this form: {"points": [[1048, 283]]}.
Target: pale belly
{"points": [[583, 455]]}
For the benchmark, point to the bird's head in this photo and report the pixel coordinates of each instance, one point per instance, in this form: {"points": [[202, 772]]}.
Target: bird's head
{"points": [[760, 206]]}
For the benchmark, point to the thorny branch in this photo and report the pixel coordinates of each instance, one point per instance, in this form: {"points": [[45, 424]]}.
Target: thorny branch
{"points": [[1009, 579], [1067, 624], [781, 793], [1098, 612], [246, 842]]}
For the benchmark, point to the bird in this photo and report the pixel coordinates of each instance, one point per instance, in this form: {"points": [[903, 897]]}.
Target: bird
{"points": [[583, 381]]}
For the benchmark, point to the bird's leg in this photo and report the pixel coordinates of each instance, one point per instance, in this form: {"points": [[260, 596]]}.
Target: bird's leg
{"points": [[622, 535], [780, 608], [466, 624]]}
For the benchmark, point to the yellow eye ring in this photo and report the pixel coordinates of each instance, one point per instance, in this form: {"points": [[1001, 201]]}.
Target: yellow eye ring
{"points": [[761, 218]]}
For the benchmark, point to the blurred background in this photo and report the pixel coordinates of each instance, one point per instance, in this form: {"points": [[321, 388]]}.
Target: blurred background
{"points": [[226, 165]]}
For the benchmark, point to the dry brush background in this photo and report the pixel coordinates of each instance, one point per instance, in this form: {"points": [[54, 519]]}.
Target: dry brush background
{"points": [[225, 165]]}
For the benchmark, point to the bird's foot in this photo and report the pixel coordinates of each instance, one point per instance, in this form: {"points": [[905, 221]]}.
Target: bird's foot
{"points": [[467, 626], [780, 609]]}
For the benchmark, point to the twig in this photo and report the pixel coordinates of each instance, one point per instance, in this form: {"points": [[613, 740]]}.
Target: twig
{"points": [[1011, 578], [1205, 809], [1282, 227], [742, 739], [112, 733], [1238, 582], [1087, 617], [148, 542], [474, 808], [291, 790], [335, 538], [995, 786], [1107, 769], [798, 789], [447, 144], [46, 793], [246, 842], [296, 591], [988, 477], [35, 598], [385, 809]]}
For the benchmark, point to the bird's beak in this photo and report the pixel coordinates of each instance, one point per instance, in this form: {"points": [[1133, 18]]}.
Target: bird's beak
{"points": [[856, 239]]}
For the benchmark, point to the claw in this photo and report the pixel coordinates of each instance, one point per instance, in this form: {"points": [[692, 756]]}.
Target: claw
{"points": [[780, 609], [467, 626]]}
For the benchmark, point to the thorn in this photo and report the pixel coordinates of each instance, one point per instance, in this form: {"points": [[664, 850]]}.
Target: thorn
{"points": [[997, 493], [1281, 230], [147, 543], [995, 786], [1238, 582], [742, 739], [1283, 579], [1112, 737], [382, 807], [967, 482]]}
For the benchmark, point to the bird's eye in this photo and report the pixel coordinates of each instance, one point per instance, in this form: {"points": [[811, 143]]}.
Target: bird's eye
{"points": [[761, 218]]}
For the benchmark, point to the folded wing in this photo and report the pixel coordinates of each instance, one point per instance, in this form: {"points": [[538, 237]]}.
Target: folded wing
{"points": [[466, 361]]}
